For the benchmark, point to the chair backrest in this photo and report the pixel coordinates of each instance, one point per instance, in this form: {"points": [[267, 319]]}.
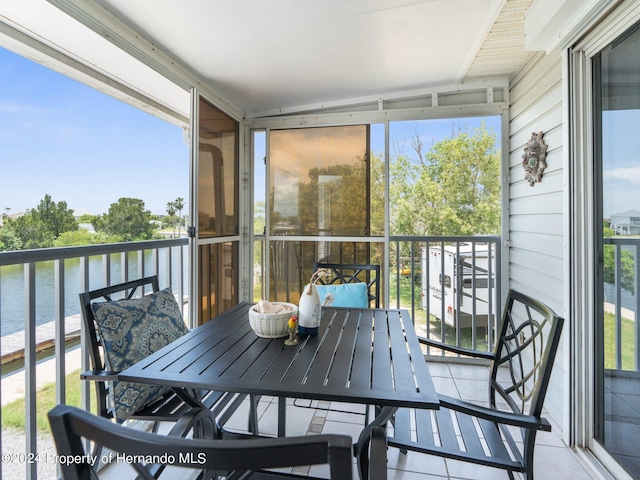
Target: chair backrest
{"points": [[339, 273], [127, 290], [526, 346], [70, 426]]}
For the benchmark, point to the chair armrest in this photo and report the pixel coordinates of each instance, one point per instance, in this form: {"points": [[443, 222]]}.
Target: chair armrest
{"points": [[460, 350], [99, 375], [378, 454], [498, 416]]}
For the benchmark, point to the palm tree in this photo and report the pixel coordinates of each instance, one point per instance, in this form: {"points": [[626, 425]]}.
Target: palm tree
{"points": [[178, 203], [171, 211]]}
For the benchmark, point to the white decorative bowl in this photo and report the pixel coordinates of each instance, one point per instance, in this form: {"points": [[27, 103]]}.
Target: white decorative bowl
{"points": [[272, 325]]}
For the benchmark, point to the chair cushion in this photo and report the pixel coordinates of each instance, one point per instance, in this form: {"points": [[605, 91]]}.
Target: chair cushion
{"points": [[131, 330], [346, 294]]}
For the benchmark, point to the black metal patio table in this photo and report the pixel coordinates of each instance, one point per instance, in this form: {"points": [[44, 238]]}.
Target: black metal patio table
{"points": [[362, 356]]}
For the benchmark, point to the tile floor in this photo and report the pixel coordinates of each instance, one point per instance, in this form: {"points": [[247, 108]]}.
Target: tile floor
{"points": [[553, 459], [622, 418]]}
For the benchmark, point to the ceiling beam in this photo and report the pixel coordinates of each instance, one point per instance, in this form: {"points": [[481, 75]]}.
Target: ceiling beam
{"points": [[31, 48], [377, 102], [104, 23]]}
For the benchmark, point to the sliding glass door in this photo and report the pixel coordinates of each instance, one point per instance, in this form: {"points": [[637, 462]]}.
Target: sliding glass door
{"points": [[616, 79]]}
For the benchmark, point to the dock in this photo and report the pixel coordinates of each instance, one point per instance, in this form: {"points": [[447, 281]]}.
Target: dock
{"points": [[13, 345]]}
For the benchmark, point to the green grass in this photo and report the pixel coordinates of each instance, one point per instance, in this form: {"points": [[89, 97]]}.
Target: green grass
{"points": [[405, 290], [628, 343], [13, 414], [466, 335]]}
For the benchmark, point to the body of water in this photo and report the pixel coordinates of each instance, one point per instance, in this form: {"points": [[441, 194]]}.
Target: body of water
{"points": [[12, 296]]}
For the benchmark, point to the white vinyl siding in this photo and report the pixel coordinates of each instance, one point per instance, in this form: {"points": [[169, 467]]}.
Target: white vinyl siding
{"points": [[536, 213]]}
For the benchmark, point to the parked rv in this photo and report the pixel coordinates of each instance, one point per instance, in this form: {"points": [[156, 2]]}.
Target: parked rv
{"points": [[458, 283]]}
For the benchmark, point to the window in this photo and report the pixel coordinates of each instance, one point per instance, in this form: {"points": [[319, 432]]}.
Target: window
{"points": [[318, 181]]}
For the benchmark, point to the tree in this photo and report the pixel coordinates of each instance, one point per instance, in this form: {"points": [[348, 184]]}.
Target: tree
{"points": [[55, 216], [40, 227], [8, 239], [626, 275], [81, 237], [127, 220], [377, 194], [32, 232], [178, 203], [86, 218], [453, 190], [171, 212], [259, 222], [172, 207]]}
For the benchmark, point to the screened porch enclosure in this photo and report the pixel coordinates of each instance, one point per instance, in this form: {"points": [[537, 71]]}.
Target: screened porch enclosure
{"points": [[266, 100], [217, 192], [359, 194]]}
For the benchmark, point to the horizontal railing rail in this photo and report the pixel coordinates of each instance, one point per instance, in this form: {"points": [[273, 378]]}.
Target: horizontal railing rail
{"points": [[39, 287], [16, 257]]}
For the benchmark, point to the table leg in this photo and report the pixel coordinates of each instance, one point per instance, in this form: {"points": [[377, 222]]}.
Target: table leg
{"points": [[253, 415], [282, 417]]}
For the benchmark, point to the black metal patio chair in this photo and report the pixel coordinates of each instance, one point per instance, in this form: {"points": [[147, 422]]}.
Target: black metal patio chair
{"points": [[121, 322], [222, 458], [521, 365]]}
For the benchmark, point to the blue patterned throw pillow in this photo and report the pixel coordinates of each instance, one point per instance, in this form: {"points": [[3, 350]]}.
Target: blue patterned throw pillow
{"points": [[130, 331]]}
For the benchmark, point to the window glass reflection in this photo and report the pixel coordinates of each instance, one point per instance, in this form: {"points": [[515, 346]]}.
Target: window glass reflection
{"points": [[318, 181]]}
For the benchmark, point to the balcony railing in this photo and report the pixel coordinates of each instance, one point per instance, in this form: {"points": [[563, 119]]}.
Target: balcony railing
{"points": [[39, 290], [451, 286], [621, 303]]}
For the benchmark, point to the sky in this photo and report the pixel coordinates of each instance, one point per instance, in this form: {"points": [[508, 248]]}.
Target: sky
{"points": [[62, 138], [620, 147]]}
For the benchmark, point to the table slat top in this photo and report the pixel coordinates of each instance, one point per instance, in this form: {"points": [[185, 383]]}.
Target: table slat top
{"points": [[359, 355]]}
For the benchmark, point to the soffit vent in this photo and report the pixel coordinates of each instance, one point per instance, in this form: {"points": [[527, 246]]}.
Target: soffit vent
{"points": [[502, 53]]}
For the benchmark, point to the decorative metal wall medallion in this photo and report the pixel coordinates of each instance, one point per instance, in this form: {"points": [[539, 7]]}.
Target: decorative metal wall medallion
{"points": [[534, 158]]}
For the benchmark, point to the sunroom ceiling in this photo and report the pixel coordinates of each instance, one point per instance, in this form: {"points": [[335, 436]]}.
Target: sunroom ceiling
{"points": [[284, 56]]}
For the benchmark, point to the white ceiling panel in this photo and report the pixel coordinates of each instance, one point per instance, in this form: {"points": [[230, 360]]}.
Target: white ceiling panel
{"points": [[264, 57], [51, 27]]}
